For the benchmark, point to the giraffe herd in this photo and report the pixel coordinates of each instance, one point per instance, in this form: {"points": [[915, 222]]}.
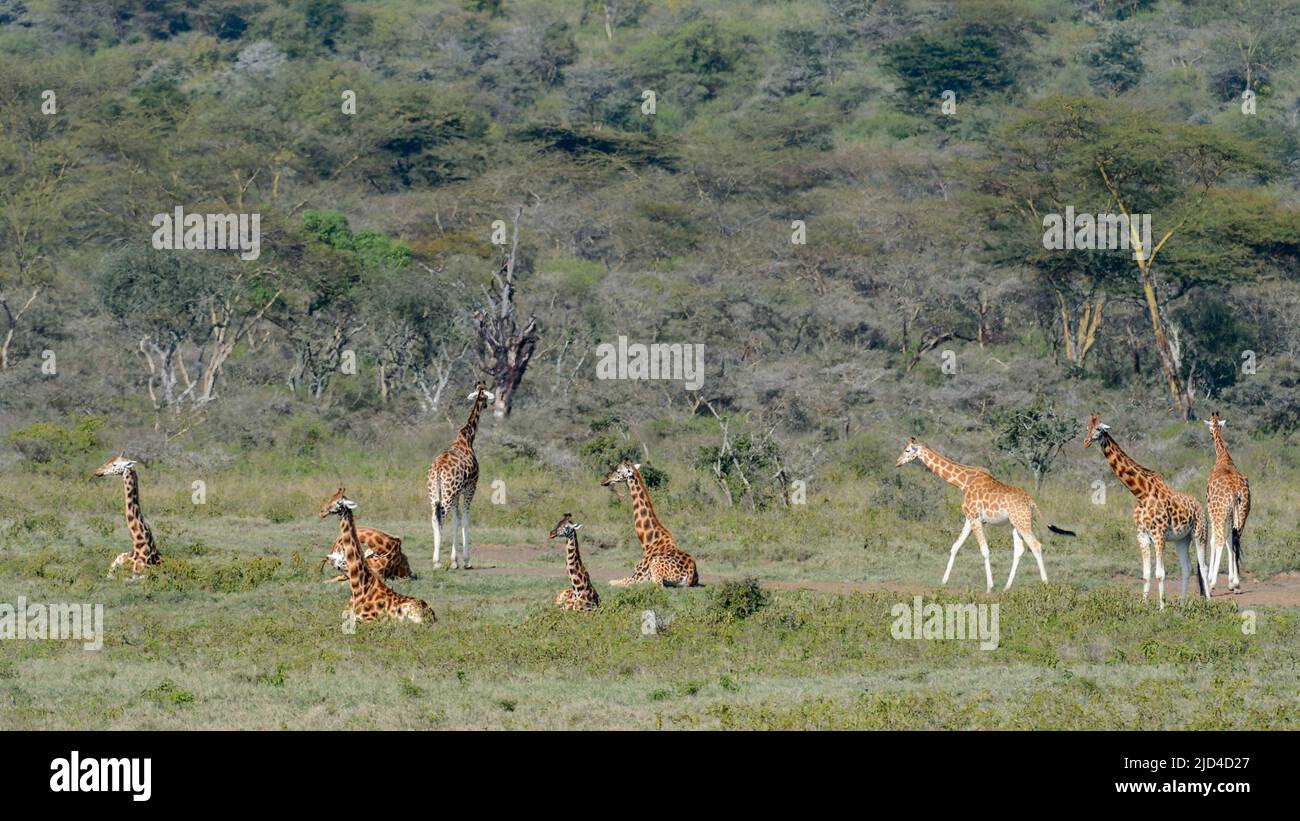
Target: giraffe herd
{"points": [[367, 557]]}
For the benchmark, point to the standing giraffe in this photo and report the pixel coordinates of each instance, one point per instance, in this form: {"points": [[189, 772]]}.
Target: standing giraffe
{"points": [[984, 500], [580, 594], [1161, 514], [371, 599], [662, 561], [1227, 495], [382, 552], [144, 552], [453, 478]]}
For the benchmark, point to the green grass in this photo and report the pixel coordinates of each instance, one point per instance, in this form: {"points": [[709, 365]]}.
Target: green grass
{"points": [[237, 630]]}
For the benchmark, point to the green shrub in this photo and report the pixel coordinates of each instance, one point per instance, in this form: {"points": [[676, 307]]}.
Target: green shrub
{"points": [[44, 442], [736, 600]]}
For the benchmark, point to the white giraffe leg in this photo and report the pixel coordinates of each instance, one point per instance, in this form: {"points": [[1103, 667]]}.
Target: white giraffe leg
{"points": [[1160, 574], [965, 531], [1144, 542], [455, 527], [1018, 550], [1216, 556], [1037, 549], [1184, 564], [437, 537], [464, 536], [984, 551]]}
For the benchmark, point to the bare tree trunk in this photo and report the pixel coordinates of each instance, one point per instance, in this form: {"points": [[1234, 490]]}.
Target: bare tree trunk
{"points": [[11, 321], [505, 349]]}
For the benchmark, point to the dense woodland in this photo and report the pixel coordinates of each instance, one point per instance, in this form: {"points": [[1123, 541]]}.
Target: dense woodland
{"points": [[665, 217]]}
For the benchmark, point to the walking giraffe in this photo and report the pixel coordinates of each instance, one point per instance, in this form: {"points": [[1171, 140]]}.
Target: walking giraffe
{"points": [[144, 551], [1161, 514], [984, 500], [371, 599], [580, 594], [453, 478], [662, 561], [1227, 498]]}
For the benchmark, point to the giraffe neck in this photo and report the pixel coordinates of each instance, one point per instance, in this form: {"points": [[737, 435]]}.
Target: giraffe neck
{"points": [[467, 433], [140, 535], [358, 571], [1220, 446], [946, 469], [1136, 478], [642, 509], [577, 573]]}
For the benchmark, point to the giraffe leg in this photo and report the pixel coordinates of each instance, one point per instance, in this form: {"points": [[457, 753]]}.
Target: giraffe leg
{"points": [[952, 556], [1036, 548], [1159, 541], [1018, 549], [437, 534], [455, 528], [118, 562], [1233, 544], [1184, 565], [464, 533], [984, 551], [1202, 569], [1216, 552], [1144, 542]]}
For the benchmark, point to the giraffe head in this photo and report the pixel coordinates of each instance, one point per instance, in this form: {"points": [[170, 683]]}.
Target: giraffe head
{"points": [[566, 527], [623, 473], [1096, 428], [481, 394], [115, 466], [336, 504], [910, 451], [1214, 421]]}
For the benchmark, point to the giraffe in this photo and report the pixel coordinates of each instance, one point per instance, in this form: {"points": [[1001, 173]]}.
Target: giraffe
{"points": [[662, 561], [580, 594], [1161, 514], [144, 551], [371, 599], [984, 500], [1227, 496], [383, 553], [453, 478]]}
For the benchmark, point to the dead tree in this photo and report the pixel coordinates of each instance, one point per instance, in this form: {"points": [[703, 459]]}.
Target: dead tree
{"points": [[505, 348]]}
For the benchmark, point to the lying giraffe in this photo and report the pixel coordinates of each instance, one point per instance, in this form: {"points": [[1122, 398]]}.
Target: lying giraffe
{"points": [[371, 599], [383, 553], [984, 500], [453, 478], [1161, 514], [144, 551], [1227, 495], [662, 561], [580, 594]]}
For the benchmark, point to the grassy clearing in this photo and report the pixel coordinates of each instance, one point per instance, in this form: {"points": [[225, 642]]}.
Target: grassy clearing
{"points": [[238, 630]]}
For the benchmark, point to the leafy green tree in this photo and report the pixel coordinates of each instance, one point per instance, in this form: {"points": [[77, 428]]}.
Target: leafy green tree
{"points": [[1115, 60], [1033, 436]]}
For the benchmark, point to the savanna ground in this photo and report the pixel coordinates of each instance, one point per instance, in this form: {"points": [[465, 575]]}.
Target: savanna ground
{"points": [[238, 629]]}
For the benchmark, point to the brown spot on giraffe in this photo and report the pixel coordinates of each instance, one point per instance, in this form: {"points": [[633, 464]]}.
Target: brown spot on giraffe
{"points": [[453, 478], [1227, 499], [984, 500], [580, 594], [662, 561], [144, 550], [370, 596], [1161, 514]]}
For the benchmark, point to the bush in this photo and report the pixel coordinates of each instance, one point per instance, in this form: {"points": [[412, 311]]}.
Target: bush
{"points": [[736, 600], [45, 442]]}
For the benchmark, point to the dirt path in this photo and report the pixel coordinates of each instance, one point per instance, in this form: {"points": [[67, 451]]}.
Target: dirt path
{"points": [[1282, 590]]}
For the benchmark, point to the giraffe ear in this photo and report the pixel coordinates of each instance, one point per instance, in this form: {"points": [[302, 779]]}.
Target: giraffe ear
{"points": [[473, 395], [637, 466], [489, 395], [349, 504], [576, 526]]}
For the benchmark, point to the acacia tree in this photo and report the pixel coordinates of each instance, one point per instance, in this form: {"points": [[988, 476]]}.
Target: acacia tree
{"points": [[1103, 157]]}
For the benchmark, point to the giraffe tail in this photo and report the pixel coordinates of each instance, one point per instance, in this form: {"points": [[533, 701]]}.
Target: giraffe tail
{"points": [[1061, 530]]}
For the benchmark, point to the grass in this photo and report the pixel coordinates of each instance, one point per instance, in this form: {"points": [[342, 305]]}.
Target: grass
{"points": [[237, 630]]}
